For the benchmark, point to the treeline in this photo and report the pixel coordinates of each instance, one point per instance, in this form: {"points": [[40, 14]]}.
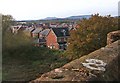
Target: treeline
{"points": [[91, 35]]}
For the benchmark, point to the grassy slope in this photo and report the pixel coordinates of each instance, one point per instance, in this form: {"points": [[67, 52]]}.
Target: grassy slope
{"points": [[27, 63]]}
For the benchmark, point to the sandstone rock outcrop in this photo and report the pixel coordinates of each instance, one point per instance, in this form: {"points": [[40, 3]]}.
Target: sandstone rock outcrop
{"points": [[113, 36]]}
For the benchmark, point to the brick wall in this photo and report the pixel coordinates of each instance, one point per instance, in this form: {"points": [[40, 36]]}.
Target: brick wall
{"points": [[51, 40]]}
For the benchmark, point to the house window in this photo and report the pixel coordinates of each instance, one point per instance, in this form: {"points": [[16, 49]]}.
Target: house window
{"points": [[61, 39], [61, 46]]}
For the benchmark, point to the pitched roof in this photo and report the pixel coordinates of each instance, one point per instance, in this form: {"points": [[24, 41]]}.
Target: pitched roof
{"points": [[31, 29], [37, 30], [61, 31], [45, 32]]}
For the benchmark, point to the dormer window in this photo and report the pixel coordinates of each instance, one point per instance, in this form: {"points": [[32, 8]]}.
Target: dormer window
{"points": [[64, 32]]}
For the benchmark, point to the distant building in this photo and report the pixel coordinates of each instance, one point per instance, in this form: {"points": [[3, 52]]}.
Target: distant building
{"points": [[35, 33], [57, 38], [18, 28], [39, 36], [28, 31], [43, 34], [53, 25]]}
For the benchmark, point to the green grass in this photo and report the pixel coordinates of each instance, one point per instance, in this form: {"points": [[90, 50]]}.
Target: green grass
{"points": [[27, 63]]}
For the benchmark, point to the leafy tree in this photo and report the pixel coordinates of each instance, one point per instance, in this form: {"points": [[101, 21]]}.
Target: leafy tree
{"points": [[91, 35], [7, 21], [10, 40]]}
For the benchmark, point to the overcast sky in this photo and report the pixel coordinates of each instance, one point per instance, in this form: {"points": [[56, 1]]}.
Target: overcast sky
{"points": [[38, 9]]}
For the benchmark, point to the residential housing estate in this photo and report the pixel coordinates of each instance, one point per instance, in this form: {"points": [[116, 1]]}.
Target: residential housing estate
{"points": [[53, 37]]}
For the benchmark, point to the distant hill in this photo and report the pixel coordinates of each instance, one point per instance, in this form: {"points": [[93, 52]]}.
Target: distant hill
{"points": [[69, 18], [50, 18], [79, 17], [55, 18]]}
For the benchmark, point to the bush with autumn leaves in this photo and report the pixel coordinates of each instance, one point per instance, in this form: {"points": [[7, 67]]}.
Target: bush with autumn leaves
{"points": [[90, 35]]}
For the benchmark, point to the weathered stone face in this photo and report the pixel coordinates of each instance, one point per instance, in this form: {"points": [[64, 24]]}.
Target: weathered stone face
{"points": [[113, 36]]}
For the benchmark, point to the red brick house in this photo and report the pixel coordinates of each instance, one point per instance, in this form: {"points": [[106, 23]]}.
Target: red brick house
{"points": [[57, 38], [41, 41]]}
